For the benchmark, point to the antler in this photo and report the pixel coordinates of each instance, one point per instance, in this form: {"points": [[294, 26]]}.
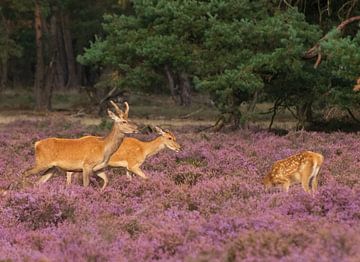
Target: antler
{"points": [[126, 110], [117, 109], [112, 115], [158, 130]]}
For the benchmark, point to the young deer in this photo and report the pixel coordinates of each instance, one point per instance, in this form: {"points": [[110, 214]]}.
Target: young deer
{"points": [[132, 153], [87, 154], [303, 167]]}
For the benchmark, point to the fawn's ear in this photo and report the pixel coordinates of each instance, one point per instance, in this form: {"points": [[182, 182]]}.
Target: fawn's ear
{"points": [[159, 130]]}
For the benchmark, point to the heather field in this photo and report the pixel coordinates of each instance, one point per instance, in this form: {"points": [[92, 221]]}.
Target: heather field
{"points": [[205, 203]]}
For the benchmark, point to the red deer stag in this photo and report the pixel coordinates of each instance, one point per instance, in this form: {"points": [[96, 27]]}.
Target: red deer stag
{"points": [[87, 154], [132, 153]]}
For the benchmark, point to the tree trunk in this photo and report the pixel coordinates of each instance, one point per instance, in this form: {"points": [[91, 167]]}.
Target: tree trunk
{"points": [[72, 79], [304, 114], [5, 55], [171, 83], [253, 102], [45, 74], [61, 66], [40, 67], [3, 71], [185, 88]]}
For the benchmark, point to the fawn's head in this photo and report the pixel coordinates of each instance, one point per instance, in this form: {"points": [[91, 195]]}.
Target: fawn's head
{"points": [[168, 139], [121, 119]]}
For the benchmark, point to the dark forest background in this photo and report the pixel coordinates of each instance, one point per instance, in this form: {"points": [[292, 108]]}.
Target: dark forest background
{"points": [[296, 55]]}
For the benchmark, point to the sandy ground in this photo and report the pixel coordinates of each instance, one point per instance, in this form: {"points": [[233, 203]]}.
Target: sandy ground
{"points": [[10, 116]]}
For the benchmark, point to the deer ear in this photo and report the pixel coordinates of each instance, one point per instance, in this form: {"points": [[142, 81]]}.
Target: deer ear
{"points": [[112, 115], [159, 130]]}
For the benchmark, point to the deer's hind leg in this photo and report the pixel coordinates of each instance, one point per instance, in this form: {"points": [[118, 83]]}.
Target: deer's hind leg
{"points": [[305, 174], [36, 169], [305, 182], [103, 176], [48, 174]]}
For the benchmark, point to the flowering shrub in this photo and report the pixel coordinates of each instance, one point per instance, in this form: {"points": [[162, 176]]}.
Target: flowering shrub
{"points": [[203, 203]]}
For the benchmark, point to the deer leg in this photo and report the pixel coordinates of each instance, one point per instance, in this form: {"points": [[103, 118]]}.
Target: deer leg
{"points": [[104, 177], [45, 178], [35, 170], [305, 182], [100, 166], [286, 185], [314, 183], [138, 171], [87, 172], [68, 177], [128, 175]]}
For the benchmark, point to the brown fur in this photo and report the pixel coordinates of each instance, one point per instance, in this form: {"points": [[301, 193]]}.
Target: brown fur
{"points": [[132, 152], [86, 154], [303, 167]]}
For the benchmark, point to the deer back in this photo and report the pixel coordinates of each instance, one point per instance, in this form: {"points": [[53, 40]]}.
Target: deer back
{"points": [[69, 154]]}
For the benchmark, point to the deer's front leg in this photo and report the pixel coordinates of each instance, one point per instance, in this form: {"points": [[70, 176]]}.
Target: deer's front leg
{"points": [[68, 177], [128, 175], [286, 185], [87, 172], [138, 171]]}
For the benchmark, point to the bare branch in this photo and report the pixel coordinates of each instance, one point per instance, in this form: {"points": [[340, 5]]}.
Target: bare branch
{"points": [[315, 50]]}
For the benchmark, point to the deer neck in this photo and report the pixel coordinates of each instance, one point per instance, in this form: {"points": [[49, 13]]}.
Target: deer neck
{"points": [[112, 141], [154, 146]]}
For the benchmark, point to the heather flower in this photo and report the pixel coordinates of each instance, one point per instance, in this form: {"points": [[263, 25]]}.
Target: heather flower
{"points": [[205, 203]]}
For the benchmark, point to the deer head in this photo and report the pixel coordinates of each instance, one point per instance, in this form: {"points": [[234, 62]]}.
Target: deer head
{"points": [[121, 119], [168, 139]]}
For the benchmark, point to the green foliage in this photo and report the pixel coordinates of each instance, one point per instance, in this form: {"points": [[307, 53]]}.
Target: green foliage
{"points": [[242, 54], [343, 56], [234, 50], [9, 48]]}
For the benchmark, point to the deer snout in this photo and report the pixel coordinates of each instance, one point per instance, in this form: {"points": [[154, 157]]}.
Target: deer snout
{"points": [[177, 148], [135, 131]]}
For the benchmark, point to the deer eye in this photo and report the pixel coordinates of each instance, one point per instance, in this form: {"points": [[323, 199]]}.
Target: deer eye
{"points": [[124, 122], [170, 138]]}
